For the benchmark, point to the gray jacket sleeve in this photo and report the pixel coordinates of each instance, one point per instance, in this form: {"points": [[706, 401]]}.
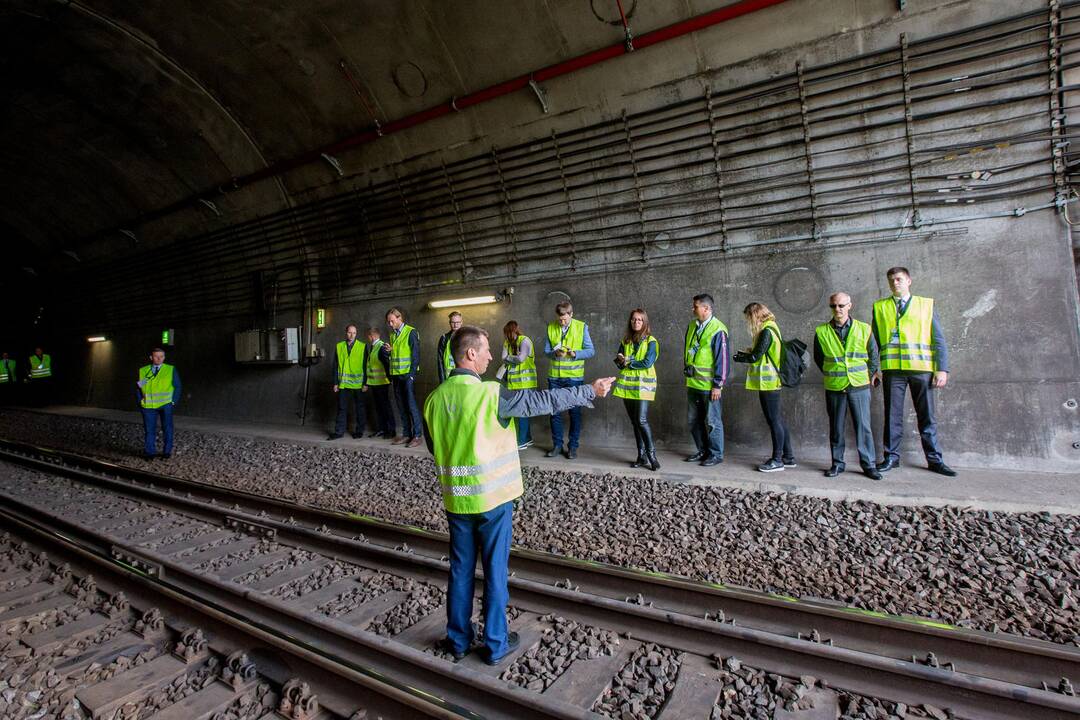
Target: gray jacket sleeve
{"points": [[530, 403]]}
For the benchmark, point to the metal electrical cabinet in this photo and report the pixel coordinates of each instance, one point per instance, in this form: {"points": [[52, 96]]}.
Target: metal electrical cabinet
{"points": [[276, 346]]}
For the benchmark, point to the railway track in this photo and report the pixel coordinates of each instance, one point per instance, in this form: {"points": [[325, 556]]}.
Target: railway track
{"points": [[370, 591]]}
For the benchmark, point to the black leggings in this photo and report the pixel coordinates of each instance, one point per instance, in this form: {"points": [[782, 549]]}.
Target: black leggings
{"points": [[638, 410], [781, 438]]}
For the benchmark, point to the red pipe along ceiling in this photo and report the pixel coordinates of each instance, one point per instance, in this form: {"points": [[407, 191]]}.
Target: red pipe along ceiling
{"points": [[685, 27]]}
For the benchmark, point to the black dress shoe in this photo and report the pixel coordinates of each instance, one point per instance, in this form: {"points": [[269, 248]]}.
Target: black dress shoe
{"points": [[942, 469], [333, 436], [888, 464], [358, 436], [166, 456], [513, 640], [834, 470], [696, 457], [571, 454], [711, 460], [553, 452], [448, 647], [871, 473]]}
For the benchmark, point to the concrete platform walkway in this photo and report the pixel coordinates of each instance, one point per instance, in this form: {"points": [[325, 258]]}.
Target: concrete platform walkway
{"points": [[979, 488]]}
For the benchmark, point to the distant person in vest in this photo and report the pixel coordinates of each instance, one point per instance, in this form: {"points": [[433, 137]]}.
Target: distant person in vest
{"points": [[468, 430], [763, 377], [445, 359], [403, 352], [568, 346], [7, 379], [913, 354], [377, 384], [519, 373], [636, 384], [349, 383], [159, 391], [706, 364], [847, 355], [39, 375]]}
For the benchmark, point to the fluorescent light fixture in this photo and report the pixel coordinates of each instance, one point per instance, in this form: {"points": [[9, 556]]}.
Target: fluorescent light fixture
{"points": [[462, 302], [96, 338]]}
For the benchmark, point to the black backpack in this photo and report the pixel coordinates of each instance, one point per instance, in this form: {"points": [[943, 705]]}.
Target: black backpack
{"points": [[793, 362]]}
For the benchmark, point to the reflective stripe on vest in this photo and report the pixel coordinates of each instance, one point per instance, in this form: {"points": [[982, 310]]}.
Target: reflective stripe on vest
{"points": [[376, 373], [698, 353], [905, 345], [400, 352], [40, 368], [844, 365], [350, 365], [476, 458], [523, 375], [765, 373], [157, 390], [637, 384], [574, 339]]}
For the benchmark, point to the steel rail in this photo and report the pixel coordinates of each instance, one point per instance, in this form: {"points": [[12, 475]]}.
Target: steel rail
{"points": [[983, 659], [223, 624]]}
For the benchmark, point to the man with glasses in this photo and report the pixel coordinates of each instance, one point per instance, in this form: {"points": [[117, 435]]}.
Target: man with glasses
{"points": [[847, 355], [445, 363], [706, 365], [913, 355]]}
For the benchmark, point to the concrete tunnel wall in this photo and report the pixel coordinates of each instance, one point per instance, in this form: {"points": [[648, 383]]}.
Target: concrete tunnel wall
{"points": [[1005, 288], [1004, 293]]}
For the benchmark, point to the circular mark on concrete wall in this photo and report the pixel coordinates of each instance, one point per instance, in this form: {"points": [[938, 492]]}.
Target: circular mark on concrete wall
{"points": [[607, 11], [410, 79], [799, 289], [662, 241], [551, 300]]}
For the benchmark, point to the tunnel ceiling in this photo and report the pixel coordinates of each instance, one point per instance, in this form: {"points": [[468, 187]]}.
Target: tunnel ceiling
{"points": [[113, 109]]}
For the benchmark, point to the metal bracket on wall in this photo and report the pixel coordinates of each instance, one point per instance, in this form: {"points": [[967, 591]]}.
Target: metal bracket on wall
{"points": [[334, 164], [909, 132], [541, 94], [566, 198], [507, 207], [809, 153], [718, 168], [637, 187], [458, 221], [211, 206]]}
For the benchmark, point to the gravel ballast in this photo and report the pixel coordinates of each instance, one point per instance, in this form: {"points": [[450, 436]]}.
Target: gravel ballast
{"points": [[1013, 572]]}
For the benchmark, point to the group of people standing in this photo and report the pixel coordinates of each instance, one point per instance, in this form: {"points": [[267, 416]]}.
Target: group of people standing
{"points": [[912, 356], [37, 376]]}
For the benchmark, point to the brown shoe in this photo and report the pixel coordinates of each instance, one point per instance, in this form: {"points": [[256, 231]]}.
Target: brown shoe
{"points": [[399, 440], [415, 442]]}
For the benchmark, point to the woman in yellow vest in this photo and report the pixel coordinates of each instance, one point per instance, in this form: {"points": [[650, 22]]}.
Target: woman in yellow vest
{"points": [[763, 377], [636, 383], [519, 360]]}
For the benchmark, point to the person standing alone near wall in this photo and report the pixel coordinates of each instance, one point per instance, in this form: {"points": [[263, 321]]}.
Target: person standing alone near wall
{"points": [[159, 391], [349, 383]]}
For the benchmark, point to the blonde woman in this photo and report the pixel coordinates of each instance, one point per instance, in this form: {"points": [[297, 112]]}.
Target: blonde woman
{"points": [[763, 377]]}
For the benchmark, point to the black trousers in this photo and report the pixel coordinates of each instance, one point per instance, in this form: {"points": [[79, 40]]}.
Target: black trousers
{"points": [[922, 397], [384, 412], [774, 416], [346, 397], [638, 410]]}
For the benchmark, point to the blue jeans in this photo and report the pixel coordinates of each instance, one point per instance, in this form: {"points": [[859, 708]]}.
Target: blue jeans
{"points": [[406, 402], [705, 418], [524, 432], [489, 533], [575, 415], [150, 422]]}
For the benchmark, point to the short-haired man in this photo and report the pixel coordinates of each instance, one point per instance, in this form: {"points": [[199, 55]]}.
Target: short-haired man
{"points": [[445, 361], [469, 430], [568, 346], [7, 379], [349, 383], [158, 389], [403, 352], [706, 365], [846, 354], [377, 383], [913, 355], [39, 375]]}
